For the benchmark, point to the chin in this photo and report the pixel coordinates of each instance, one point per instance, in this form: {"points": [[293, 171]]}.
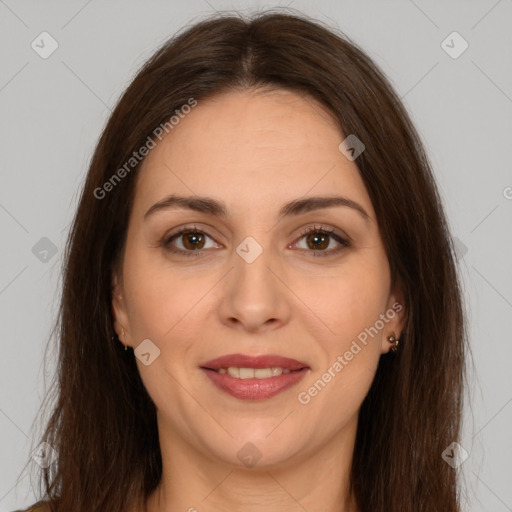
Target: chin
{"points": [[252, 451]]}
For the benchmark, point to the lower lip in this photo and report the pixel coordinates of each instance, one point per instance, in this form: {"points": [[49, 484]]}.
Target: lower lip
{"points": [[255, 389]]}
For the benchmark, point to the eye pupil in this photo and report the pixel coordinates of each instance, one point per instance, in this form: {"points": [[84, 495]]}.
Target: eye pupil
{"points": [[193, 238], [318, 240]]}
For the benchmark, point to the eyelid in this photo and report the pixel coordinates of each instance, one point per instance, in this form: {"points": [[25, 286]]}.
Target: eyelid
{"points": [[166, 240], [342, 239], [326, 229]]}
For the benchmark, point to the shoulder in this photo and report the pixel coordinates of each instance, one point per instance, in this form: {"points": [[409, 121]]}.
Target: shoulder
{"points": [[40, 506]]}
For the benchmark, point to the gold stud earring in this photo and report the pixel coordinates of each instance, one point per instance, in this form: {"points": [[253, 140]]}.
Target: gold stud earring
{"points": [[122, 334], [395, 341]]}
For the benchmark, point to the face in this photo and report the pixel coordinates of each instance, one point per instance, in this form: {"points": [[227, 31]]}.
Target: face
{"points": [[307, 286]]}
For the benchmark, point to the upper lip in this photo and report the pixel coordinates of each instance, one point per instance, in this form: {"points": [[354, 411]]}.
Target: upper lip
{"points": [[246, 361]]}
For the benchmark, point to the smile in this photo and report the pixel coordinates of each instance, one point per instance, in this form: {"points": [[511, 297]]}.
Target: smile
{"points": [[251, 373], [254, 377]]}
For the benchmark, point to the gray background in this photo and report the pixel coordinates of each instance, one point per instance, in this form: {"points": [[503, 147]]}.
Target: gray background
{"points": [[52, 111]]}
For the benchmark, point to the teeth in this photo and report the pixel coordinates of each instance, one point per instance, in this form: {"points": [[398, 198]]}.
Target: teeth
{"points": [[253, 373], [234, 372], [246, 373], [263, 373]]}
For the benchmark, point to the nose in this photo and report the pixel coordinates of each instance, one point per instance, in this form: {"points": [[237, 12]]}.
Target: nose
{"points": [[254, 297]]}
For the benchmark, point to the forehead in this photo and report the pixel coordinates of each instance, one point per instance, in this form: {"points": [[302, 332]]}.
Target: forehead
{"points": [[251, 148]]}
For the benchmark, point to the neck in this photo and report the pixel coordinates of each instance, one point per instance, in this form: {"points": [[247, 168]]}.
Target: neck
{"points": [[317, 481]]}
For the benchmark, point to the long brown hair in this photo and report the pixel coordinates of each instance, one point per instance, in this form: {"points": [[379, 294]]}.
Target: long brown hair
{"points": [[103, 424]]}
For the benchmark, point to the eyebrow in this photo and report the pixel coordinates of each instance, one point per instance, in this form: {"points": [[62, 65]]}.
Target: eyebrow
{"points": [[211, 206]]}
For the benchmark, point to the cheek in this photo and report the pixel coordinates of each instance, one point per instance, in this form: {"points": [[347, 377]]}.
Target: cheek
{"points": [[350, 358], [358, 307], [159, 298], [350, 301], [354, 306]]}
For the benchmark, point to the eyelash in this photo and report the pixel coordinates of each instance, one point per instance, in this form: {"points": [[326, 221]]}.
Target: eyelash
{"points": [[166, 242]]}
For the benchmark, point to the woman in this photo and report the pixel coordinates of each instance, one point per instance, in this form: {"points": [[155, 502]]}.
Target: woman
{"points": [[261, 308]]}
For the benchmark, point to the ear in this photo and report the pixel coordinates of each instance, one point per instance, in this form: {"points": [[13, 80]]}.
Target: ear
{"points": [[119, 311], [396, 313]]}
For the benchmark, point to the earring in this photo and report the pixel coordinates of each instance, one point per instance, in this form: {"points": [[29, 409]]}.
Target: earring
{"points": [[395, 341], [122, 334]]}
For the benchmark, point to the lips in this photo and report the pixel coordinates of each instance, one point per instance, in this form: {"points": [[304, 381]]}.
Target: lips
{"points": [[245, 361], [254, 388]]}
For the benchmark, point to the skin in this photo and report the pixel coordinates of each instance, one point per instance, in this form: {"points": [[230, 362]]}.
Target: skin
{"points": [[255, 151]]}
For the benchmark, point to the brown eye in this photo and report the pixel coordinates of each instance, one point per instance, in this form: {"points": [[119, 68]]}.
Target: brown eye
{"points": [[318, 240], [188, 241], [193, 240]]}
